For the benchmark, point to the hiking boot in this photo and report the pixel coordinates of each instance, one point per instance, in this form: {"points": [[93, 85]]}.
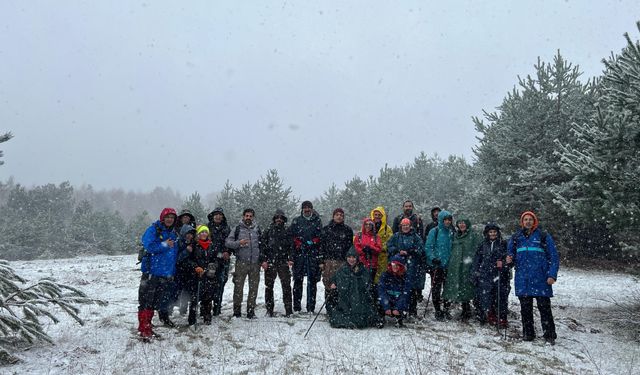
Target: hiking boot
{"points": [[439, 314], [550, 340], [237, 315], [270, 314], [447, 315], [164, 318], [207, 322], [399, 323], [251, 315], [528, 338], [380, 324]]}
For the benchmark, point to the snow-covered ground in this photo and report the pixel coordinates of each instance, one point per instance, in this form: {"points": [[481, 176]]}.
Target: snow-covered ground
{"points": [[586, 342]]}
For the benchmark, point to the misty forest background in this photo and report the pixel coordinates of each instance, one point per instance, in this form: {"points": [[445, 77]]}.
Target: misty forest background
{"points": [[566, 148]]}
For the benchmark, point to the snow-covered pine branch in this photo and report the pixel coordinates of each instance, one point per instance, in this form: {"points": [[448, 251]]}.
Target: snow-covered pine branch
{"points": [[22, 306]]}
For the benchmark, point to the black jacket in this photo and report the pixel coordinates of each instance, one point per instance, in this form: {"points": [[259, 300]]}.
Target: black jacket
{"points": [[276, 245], [335, 241]]}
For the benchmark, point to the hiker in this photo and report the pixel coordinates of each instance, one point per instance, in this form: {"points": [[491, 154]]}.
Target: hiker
{"points": [[384, 231], [276, 259], [245, 241], [354, 308], [418, 266], [158, 270], [185, 218], [202, 264], [534, 254], [459, 288], [438, 251], [408, 244], [394, 291], [336, 238], [368, 246], [491, 276], [183, 272], [305, 233], [219, 231]]}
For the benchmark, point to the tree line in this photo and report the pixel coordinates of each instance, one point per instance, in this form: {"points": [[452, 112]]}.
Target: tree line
{"points": [[566, 148]]}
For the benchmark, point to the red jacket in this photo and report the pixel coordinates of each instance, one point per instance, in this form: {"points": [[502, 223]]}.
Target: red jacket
{"points": [[370, 240]]}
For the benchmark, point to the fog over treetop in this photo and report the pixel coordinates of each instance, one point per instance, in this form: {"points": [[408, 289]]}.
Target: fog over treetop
{"points": [[138, 95]]}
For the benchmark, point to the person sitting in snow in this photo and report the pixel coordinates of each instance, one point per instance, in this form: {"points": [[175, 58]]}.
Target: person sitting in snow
{"points": [[491, 276], [536, 261], [394, 291], [354, 308], [158, 270]]}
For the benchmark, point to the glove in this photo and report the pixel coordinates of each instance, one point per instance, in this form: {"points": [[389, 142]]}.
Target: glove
{"points": [[297, 242], [436, 262], [367, 250], [315, 240], [199, 271]]}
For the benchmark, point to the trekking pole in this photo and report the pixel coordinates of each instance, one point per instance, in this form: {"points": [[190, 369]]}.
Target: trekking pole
{"points": [[314, 319], [498, 292], [197, 303], [426, 305]]}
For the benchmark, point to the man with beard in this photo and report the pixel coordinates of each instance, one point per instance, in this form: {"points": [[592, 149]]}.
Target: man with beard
{"points": [[305, 232], [276, 258], [336, 239], [245, 241]]}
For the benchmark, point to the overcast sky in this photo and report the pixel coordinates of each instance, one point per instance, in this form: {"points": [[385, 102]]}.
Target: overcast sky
{"points": [[189, 94]]}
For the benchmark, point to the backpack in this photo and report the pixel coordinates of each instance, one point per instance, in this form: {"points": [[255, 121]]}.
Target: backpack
{"points": [[142, 252]]}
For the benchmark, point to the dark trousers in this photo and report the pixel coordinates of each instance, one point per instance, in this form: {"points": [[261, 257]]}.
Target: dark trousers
{"points": [[305, 265], [282, 271], [222, 275], [154, 292], [438, 278], [546, 317]]}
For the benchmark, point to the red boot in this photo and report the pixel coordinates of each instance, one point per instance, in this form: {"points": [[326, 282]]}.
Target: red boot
{"points": [[503, 323], [144, 323]]}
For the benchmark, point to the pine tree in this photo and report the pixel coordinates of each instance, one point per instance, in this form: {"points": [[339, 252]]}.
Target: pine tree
{"points": [[516, 168], [355, 201], [227, 202], [194, 205], [22, 307], [605, 159], [269, 194], [3, 138]]}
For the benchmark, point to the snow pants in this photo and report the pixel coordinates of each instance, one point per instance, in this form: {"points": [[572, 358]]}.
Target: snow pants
{"points": [[282, 271], [154, 292], [546, 317], [438, 278], [222, 275], [305, 265]]}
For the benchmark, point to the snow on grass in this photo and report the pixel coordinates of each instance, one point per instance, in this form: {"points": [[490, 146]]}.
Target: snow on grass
{"points": [[587, 341]]}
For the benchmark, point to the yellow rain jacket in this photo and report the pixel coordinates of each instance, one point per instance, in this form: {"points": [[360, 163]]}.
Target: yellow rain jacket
{"points": [[385, 234]]}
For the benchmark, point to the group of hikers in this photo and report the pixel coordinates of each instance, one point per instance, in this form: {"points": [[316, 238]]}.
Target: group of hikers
{"points": [[375, 275]]}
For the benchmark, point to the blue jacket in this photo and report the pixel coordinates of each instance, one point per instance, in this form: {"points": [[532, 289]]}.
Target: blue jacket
{"points": [[160, 259], [412, 244], [440, 248], [534, 263], [393, 290]]}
